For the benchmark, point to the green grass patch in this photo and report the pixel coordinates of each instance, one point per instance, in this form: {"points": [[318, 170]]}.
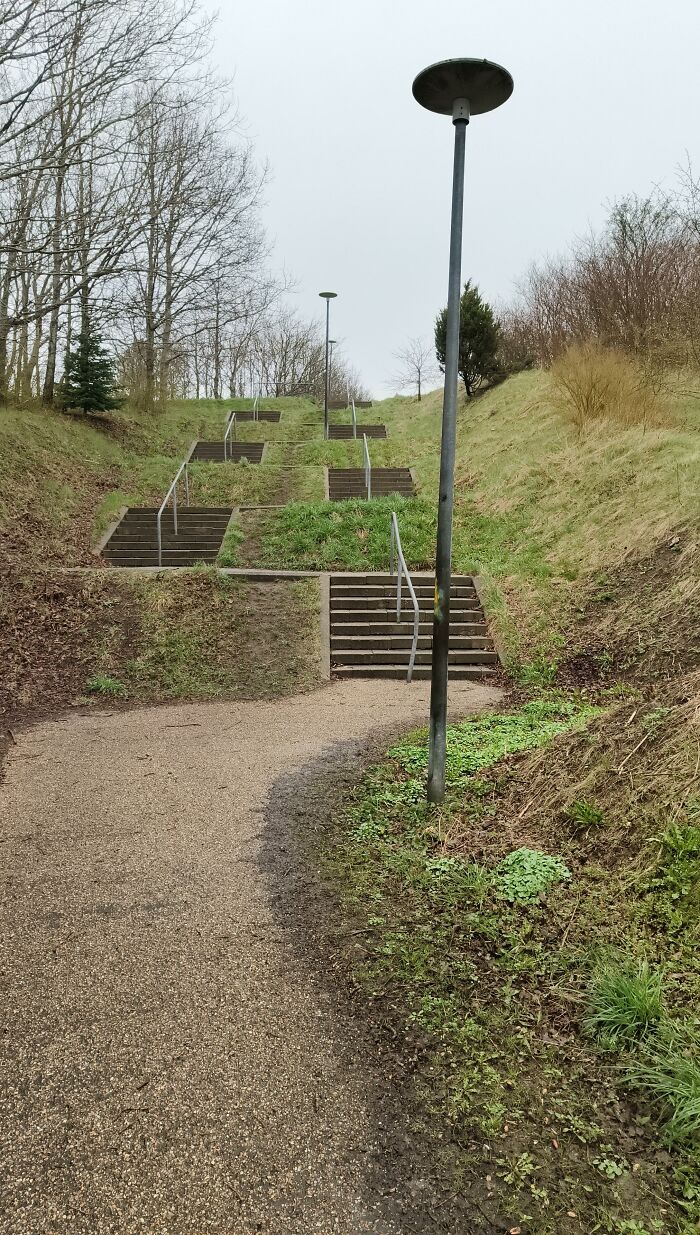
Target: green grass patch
{"points": [[625, 1002], [350, 535], [229, 553], [668, 1073], [106, 687]]}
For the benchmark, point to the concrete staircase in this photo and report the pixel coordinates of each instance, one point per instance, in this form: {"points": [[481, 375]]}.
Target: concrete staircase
{"points": [[349, 482], [213, 452], [367, 641], [200, 533], [272, 418], [340, 433]]}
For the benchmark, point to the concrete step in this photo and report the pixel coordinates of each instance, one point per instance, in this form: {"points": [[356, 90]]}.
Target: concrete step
{"points": [[381, 656], [139, 512], [396, 488], [358, 473], [377, 604], [456, 673], [351, 642], [420, 587], [213, 452], [271, 417], [149, 557], [379, 576], [185, 532], [381, 629], [337, 433], [181, 543]]}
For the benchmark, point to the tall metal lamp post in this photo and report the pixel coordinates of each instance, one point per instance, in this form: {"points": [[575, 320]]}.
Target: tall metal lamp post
{"points": [[460, 89], [331, 344], [327, 296]]}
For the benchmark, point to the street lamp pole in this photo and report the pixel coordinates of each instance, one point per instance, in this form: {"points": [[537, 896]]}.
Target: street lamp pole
{"points": [[460, 88], [331, 344], [327, 296]]}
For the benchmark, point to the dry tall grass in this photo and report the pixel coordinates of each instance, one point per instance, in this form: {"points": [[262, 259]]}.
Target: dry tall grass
{"points": [[591, 382]]}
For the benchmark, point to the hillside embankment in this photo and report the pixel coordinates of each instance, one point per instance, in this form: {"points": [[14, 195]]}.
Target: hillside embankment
{"points": [[73, 632], [533, 943]]}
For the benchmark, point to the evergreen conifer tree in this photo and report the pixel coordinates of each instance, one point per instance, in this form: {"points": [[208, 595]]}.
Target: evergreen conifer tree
{"points": [[478, 339], [89, 382]]}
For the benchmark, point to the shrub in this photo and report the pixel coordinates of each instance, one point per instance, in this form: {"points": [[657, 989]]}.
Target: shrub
{"points": [[591, 383]]}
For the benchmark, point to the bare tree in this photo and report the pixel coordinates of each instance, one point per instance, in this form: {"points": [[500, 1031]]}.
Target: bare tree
{"points": [[417, 365], [634, 287]]}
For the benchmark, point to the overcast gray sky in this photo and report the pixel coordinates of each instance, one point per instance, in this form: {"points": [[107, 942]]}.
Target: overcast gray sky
{"points": [[606, 102]]}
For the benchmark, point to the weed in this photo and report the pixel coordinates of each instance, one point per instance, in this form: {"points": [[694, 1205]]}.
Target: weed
{"points": [[655, 717], [630, 1227], [584, 814], [625, 1002], [477, 744], [538, 673], [669, 1073], [519, 1171], [610, 1167], [674, 885], [525, 875], [109, 688]]}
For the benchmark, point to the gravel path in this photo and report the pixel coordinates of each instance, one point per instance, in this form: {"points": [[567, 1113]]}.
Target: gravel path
{"points": [[168, 1064]]}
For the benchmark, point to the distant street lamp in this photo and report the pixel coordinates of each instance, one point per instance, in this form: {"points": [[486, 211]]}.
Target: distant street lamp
{"points": [[460, 89], [327, 296]]}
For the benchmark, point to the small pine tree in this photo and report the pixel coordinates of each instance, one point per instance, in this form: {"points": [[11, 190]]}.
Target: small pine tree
{"points": [[88, 379], [478, 339]]}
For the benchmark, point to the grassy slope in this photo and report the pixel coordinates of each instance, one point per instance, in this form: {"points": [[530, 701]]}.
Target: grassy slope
{"points": [[549, 1121], [64, 479], [539, 510], [61, 481]]}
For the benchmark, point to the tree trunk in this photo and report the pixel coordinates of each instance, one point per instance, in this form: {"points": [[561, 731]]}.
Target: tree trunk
{"points": [[56, 281]]}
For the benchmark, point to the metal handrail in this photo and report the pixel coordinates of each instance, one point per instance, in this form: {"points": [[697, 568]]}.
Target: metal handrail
{"points": [[354, 419], [230, 434], [368, 467], [173, 489], [396, 555], [255, 407]]}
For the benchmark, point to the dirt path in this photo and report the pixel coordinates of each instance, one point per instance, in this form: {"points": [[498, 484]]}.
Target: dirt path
{"points": [[168, 1064]]}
